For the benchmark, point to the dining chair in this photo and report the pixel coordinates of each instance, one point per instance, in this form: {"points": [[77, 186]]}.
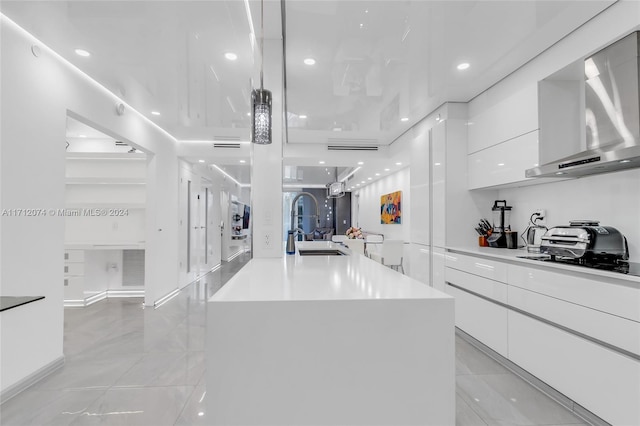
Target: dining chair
{"points": [[356, 245], [339, 238], [390, 254]]}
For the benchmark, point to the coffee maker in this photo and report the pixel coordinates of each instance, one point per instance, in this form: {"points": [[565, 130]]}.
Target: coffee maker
{"points": [[501, 224]]}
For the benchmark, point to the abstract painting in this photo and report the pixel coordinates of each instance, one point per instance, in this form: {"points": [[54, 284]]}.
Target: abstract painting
{"points": [[391, 208]]}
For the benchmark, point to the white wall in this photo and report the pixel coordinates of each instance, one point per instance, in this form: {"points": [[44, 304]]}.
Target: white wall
{"points": [[368, 210], [41, 92], [613, 199]]}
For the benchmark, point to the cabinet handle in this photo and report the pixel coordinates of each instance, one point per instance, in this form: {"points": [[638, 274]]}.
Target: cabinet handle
{"points": [[66, 282], [66, 256], [66, 269]]}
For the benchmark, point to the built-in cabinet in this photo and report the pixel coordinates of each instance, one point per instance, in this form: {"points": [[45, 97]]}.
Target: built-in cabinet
{"points": [[503, 138], [105, 215], [440, 201], [578, 333]]}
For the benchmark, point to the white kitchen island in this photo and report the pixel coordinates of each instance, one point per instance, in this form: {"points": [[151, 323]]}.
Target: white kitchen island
{"points": [[329, 340]]}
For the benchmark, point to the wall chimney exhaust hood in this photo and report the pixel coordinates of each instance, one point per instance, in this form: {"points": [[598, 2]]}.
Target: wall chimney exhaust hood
{"points": [[607, 98]]}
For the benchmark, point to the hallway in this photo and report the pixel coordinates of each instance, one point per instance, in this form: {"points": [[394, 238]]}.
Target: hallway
{"points": [[131, 366]]}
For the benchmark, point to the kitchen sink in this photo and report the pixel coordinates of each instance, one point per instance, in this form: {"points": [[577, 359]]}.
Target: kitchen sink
{"points": [[536, 257], [321, 252]]}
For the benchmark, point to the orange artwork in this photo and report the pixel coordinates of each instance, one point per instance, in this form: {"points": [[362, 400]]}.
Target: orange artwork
{"points": [[390, 208]]}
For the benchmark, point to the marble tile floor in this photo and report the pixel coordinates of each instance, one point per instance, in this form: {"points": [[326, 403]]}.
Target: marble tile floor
{"points": [[131, 366]]}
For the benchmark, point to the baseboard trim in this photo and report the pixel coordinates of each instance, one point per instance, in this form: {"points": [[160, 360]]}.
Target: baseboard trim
{"points": [[543, 387], [236, 254], [81, 303], [125, 293], [95, 298], [31, 379]]}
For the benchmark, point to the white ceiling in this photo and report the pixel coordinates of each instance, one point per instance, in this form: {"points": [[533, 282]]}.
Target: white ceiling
{"points": [[169, 57]]}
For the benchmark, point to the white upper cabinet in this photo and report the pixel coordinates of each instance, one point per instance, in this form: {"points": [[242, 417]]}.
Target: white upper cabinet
{"points": [[503, 138], [495, 121], [504, 163]]}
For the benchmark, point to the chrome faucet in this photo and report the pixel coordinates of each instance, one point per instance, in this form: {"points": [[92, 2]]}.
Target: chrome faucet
{"points": [[293, 210]]}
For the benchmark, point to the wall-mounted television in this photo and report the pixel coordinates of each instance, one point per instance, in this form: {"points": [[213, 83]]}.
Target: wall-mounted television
{"points": [[245, 217]]}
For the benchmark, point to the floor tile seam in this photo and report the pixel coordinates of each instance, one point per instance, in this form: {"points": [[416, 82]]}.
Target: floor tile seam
{"points": [[471, 408], [184, 406]]}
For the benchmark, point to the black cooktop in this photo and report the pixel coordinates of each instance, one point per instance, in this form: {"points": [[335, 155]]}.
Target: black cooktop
{"points": [[621, 267]]}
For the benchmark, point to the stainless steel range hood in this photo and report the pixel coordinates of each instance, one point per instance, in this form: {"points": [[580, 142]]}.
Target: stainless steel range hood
{"points": [[611, 114]]}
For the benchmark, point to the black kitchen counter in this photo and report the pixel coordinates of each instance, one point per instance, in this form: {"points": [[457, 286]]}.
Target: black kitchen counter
{"points": [[10, 302]]}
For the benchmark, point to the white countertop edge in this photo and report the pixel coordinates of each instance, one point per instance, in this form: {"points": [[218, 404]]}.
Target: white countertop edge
{"points": [[353, 278], [510, 256]]}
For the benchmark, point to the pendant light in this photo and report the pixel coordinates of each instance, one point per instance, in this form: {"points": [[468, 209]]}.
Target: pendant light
{"points": [[261, 99]]}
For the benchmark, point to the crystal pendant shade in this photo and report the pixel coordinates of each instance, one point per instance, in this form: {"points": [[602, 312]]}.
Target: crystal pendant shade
{"points": [[261, 116]]}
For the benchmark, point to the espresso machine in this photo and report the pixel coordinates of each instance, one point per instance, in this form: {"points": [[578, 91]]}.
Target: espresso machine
{"points": [[501, 224]]}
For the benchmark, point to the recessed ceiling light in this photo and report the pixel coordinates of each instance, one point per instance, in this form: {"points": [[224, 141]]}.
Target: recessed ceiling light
{"points": [[404, 119], [248, 114], [360, 163], [302, 116], [155, 113], [377, 174], [369, 178], [309, 61], [82, 136], [361, 25], [398, 164], [386, 170], [242, 161], [82, 52], [500, 164], [231, 56], [436, 164], [362, 182], [200, 161], [366, 11], [463, 66], [625, 161], [357, 184], [321, 162]]}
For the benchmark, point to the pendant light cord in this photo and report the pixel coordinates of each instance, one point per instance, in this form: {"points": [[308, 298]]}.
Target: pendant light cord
{"points": [[261, 41]]}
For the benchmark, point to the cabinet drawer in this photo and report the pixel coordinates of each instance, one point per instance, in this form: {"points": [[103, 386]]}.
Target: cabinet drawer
{"points": [[602, 293], [72, 269], [611, 329], [74, 255], [478, 266], [73, 288], [492, 289], [483, 320], [595, 377]]}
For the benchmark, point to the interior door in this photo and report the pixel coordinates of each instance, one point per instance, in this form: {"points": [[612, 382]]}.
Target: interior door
{"points": [[214, 248]]}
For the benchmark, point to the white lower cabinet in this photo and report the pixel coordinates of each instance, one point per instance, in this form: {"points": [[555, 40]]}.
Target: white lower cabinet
{"points": [[437, 268], [484, 320], [601, 380], [419, 263], [74, 275]]}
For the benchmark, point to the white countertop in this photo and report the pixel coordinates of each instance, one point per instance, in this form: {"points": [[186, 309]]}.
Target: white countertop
{"points": [[296, 278], [511, 256]]}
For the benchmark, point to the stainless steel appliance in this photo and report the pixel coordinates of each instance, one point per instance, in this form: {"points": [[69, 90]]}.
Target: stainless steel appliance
{"points": [[501, 224], [585, 240], [611, 115], [533, 234]]}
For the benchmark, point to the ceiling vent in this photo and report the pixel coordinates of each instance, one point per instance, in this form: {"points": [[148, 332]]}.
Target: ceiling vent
{"points": [[226, 145], [352, 147]]}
